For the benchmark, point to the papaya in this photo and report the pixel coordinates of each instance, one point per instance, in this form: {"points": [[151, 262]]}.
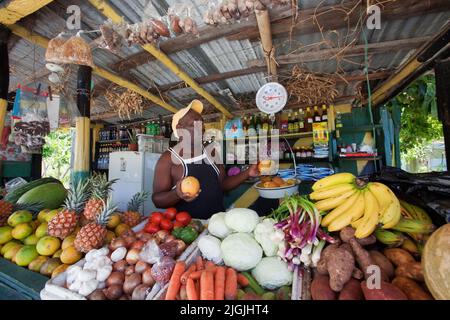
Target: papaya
{"points": [[49, 266], [31, 239], [18, 217], [8, 245], [26, 255], [70, 255], [12, 252], [41, 231], [41, 215], [51, 214], [47, 245], [5, 234], [21, 231], [109, 237], [37, 263], [114, 221], [68, 241], [57, 254], [121, 228], [59, 269], [50, 195]]}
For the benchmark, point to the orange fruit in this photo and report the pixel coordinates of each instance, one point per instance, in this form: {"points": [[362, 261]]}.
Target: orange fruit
{"points": [[190, 185]]}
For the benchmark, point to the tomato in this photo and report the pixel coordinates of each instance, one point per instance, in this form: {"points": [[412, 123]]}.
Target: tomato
{"points": [[177, 224], [166, 224], [151, 228], [170, 213], [183, 217], [155, 218]]}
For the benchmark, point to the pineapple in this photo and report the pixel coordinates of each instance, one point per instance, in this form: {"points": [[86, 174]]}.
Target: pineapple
{"points": [[132, 216], [99, 188], [7, 209], [65, 222], [92, 235]]}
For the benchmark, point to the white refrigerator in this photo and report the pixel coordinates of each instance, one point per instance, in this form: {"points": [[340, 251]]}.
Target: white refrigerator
{"points": [[135, 171]]}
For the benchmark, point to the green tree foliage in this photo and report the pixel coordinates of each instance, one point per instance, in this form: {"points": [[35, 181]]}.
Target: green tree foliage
{"points": [[56, 155], [419, 123]]}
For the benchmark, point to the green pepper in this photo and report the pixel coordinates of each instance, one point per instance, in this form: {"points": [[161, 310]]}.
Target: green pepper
{"points": [[177, 232], [188, 234]]}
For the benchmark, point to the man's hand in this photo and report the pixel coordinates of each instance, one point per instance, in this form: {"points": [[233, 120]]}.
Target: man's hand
{"points": [[253, 171], [185, 196]]}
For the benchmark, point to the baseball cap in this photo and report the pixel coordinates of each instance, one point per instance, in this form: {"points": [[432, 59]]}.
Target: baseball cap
{"points": [[195, 105]]}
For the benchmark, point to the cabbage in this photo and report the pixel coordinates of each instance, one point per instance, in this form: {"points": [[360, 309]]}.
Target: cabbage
{"points": [[217, 226], [210, 248], [241, 219], [241, 251], [272, 273]]}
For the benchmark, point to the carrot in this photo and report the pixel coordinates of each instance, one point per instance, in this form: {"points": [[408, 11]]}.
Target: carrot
{"points": [[242, 280], [191, 290], [174, 282], [186, 274], [207, 285], [195, 275], [183, 292], [199, 263], [231, 284], [209, 265], [219, 283]]}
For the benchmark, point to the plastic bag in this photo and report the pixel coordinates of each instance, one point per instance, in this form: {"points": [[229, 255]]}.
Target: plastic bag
{"points": [[234, 128], [15, 183], [162, 270], [430, 191], [151, 253]]}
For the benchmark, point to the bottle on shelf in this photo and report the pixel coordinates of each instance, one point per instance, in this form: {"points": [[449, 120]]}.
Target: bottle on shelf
{"points": [[338, 124], [309, 120], [317, 116], [265, 124], [296, 126], [290, 123], [301, 120], [324, 113], [284, 123]]}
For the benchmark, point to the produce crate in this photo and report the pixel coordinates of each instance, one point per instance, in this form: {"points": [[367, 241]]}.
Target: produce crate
{"points": [[297, 293], [59, 292]]}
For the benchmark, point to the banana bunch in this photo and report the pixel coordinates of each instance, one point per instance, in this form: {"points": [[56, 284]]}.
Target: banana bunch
{"points": [[349, 202]]}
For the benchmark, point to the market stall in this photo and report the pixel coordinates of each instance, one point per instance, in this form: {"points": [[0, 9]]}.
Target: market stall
{"points": [[292, 90]]}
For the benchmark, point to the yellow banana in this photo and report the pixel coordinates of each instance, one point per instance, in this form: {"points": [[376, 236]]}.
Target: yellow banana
{"points": [[391, 216], [331, 203], [382, 193], [421, 214], [355, 223], [342, 209], [370, 219], [346, 218], [331, 192], [333, 180], [405, 213]]}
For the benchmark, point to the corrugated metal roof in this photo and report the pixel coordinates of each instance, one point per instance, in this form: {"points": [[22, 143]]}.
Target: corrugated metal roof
{"points": [[216, 56]]}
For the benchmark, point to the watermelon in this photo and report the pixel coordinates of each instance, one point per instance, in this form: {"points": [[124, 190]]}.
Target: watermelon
{"points": [[51, 195]]}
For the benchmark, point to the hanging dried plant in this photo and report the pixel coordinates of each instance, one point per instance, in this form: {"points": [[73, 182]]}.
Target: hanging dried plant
{"points": [[310, 88], [126, 104]]}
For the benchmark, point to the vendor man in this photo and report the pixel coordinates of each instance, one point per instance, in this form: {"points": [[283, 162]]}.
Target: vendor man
{"points": [[176, 164]]}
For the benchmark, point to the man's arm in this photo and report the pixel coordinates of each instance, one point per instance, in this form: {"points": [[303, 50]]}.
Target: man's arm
{"points": [[230, 183], [163, 194]]}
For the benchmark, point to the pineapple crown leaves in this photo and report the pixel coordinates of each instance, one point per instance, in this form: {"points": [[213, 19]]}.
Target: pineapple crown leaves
{"points": [[137, 200], [77, 196], [99, 186], [105, 215]]}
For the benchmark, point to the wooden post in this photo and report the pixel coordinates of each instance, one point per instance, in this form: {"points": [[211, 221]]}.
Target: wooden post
{"points": [[442, 72], [4, 75], [82, 155], [263, 19]]}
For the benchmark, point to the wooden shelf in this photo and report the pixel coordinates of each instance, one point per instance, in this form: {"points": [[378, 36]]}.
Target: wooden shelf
{"points": [[361, 158], [114, 141], [364, 128]]}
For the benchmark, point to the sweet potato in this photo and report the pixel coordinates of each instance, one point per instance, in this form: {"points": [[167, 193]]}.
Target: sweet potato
{"points": [[322, 264], [412, 270], [351, 291], [340, 266], [385, 265], [386, 291], [357, 274], [411, 289], [398, 256], [347, 247], [320, 288], [348, 233], [362, 256]]}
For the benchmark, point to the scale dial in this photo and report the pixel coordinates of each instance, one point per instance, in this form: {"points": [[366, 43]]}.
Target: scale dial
{"points": [[271, 98]]}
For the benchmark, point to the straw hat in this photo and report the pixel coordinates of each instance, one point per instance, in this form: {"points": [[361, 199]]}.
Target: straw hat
{"points": [[195, 105]]}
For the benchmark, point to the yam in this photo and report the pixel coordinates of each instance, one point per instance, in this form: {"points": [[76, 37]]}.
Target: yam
{"points": [[380, 259], [362, 256], [411, 289], [340, 266], [351, 291], [357, 274], [386, 291], [348, 233], [320, 288], [412, 270], [398, 256]]}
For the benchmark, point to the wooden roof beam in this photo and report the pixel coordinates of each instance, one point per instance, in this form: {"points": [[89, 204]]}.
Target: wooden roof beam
{"points": [[263, 21], [110, 13], [43, 42], [13, 10]]}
